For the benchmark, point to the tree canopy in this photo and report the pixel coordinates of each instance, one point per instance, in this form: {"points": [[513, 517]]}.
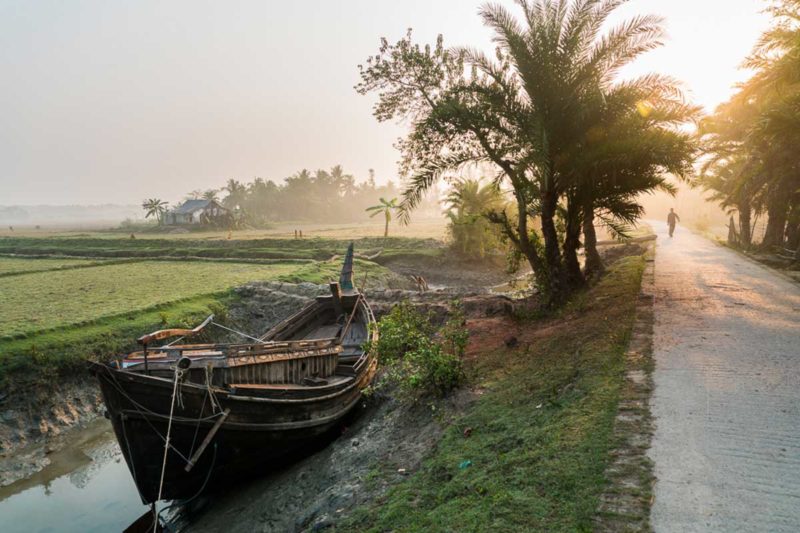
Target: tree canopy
{"points": [[548, 114]]}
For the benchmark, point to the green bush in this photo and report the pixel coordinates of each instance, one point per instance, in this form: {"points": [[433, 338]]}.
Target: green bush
{"points": [[418, 358]]}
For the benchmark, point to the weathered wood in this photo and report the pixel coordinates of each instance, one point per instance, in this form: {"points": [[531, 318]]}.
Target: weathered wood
{"points": [[207, 440], [166, 333], [279, 393]]}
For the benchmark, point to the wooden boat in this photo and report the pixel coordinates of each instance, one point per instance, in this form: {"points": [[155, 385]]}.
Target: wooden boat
{"points": [[230, 410]]}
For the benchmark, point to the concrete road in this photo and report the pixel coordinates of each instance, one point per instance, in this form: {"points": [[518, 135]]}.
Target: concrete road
{"points": [[727, 391]]}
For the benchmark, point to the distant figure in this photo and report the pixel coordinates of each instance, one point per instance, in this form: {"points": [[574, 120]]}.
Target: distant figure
{"points": [[295, 234], [230, 234], [301, 234], [133, 236], [672, 219], [11, 228]]}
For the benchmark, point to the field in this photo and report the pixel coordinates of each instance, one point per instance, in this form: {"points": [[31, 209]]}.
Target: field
{"points": [[67, 295], [45, 300], [14, 266]]}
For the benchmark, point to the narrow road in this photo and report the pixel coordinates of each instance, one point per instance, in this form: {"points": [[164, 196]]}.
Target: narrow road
{"points": [[727, 391]]}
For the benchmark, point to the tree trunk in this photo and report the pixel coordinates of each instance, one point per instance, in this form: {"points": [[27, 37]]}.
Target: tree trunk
{"points": [[594, 264], [572, 267], [792, 235], [552, 250], [745, 237], [386, 228], [776, 223]]}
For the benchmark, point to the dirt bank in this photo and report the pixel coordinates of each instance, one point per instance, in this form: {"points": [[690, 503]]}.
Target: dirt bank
{"points": [[35, 424], [385, 442]]}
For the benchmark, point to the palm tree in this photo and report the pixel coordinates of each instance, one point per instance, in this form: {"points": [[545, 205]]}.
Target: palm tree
{"points": [[385, 207], [155, 207], [237, 192], [470, 201], [211, 194]]}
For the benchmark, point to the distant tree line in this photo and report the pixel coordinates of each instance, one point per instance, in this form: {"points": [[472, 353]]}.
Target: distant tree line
{"points": [[750, 143], [322, 196]]}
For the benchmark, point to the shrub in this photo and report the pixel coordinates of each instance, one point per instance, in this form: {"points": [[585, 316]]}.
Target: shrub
{"points": [[419, 359]]}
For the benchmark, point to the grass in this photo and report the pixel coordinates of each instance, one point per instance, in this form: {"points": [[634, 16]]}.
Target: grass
{"points": [[41, 357], [12, 266], [211, 248], [47, 300], [541, 431]]}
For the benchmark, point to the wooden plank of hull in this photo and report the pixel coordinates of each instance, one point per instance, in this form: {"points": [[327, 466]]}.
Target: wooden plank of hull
{"points": [[257, 431]]}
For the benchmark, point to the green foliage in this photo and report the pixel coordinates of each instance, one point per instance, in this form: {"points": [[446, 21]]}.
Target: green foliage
{"points": [[416, 357], [608, 141], [751, 141], [386, 207], [155, 207], [472, 233]]}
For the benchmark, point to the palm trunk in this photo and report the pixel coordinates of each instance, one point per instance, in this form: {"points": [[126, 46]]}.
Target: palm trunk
{"points": [[572, 267], [745, 236], [594, 263], [386, 227], [552, 251], [776, 222]]}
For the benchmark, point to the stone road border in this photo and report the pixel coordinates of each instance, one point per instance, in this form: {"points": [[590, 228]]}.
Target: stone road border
{"points": [[625, 504]]}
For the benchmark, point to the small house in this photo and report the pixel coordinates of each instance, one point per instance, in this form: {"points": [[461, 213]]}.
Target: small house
{"points": [[195, 212]]}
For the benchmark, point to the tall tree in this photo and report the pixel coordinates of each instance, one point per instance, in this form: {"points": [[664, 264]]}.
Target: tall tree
{"points": [[527, 111], [155, 207], [385, 207]]}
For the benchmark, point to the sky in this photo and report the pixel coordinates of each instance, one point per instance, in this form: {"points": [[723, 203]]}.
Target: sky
{"points": [[113, 102]]}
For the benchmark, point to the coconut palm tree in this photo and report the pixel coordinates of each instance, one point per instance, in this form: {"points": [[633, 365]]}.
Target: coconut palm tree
{"points": [[155, 207], [386, 207], [237, 192], [211, 194]]}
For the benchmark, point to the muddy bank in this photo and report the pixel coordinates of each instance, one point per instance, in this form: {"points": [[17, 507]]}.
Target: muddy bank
{"points": [[35, 424], [385, 442], [449, 270]]}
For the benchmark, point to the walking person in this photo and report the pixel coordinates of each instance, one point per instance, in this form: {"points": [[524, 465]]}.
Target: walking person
{"points": [[672, 219]]}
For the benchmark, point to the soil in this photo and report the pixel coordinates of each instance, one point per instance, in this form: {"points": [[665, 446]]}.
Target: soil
{"points": [[34, 425], [385, 442]]}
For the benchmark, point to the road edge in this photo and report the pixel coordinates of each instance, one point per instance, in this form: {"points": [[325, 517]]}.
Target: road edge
{"points": [[626, 502]]}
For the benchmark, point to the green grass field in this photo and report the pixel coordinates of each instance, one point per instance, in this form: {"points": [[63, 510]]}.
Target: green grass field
{"points": [[16, 265], [46, 300], [84, 296]]}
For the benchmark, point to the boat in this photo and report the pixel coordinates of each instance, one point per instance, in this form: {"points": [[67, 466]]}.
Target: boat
{"points": [[191, 416]]}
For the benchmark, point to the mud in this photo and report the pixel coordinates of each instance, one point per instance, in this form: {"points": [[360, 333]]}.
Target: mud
{"points": [[385, 442], [34, 425]]}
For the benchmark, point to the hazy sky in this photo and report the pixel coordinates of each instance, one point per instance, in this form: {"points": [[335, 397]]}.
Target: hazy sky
{"points": [[115, 101]]}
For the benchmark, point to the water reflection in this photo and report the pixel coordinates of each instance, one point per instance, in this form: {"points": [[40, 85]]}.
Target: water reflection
{"points": [[85, 488]]}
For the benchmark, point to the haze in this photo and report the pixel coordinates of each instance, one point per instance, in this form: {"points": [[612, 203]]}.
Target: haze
{"points": [[115, 102]]}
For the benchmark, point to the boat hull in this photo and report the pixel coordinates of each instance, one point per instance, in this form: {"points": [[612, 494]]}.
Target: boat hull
{"points": [[253, 438]]}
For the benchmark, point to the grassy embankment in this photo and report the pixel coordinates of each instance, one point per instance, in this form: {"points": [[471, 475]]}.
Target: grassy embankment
{"points": [[56, 310], [540, 433]]}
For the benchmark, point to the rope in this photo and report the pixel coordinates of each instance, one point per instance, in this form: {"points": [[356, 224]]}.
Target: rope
{"points": [[178, 374], [199, 492], [245, 335], [216, 408]]}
